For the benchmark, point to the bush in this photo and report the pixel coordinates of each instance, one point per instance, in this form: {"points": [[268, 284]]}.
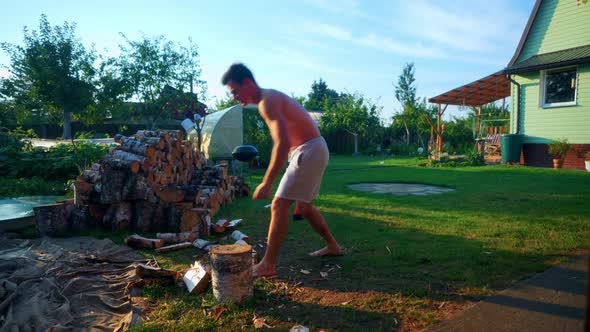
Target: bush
{"points": [[559, 148], [474, 158], [84, 135], [371, 151], [18, 139], [400, 149], [60, 162], [33, 186]]}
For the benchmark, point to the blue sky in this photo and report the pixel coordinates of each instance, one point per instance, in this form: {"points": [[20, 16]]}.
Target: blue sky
{"points": [[355, 46]]}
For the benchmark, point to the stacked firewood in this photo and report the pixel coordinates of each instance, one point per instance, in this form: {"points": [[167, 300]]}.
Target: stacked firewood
{"points": [[155, 181]]}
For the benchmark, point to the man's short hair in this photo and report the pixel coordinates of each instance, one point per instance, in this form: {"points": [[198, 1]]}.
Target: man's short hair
{"points": [[237, 72]]}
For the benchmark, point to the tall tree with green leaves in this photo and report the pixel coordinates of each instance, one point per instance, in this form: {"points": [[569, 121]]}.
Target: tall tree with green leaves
{"points": [[354, 114], [320, 95], [405, 90], [52, 72], [405, 93], [111, 92], [149, 65]]}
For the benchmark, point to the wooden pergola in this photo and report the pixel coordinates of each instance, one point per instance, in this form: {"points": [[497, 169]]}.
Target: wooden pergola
{"points": [[475, 94]]}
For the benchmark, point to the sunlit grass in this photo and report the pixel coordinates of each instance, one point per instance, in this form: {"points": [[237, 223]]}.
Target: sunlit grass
{"points": [[407, 258]]}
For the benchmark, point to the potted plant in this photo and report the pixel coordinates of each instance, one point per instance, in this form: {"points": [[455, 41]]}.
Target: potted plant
{"points": [[558, 149], [587, 161]]}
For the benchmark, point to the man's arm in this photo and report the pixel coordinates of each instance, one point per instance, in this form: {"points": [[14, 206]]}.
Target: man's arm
{"points": [[277, 125]]}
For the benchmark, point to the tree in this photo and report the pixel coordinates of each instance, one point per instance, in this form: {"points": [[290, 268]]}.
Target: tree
{"points": [[51, 73], [405, 90], [299, 99], [149, 65], [355, 115], [405, 93], [227, 102], [111, 92], [319, 95]]}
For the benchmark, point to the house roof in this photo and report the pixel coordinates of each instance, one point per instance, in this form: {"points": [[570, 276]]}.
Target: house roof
{"points": [[483, 91], [560, 58], [525, 33]]}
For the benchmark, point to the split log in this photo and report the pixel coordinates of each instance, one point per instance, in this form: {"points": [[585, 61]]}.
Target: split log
{"points": [[171, 194], [144, 163], [82, 191], [178, 134], [231, 272], [97, 211], [137, 242], [174, 247], [118, 216], [220, 226], [111, 161], [177, 237], [51, 220], [197, 278], [150, 272], [146, 133], [196, 219], [136, 147], [158, 142], [135, 188], [237, 235], [81, 220], [148, 214], [112, 190], [91, 176]]}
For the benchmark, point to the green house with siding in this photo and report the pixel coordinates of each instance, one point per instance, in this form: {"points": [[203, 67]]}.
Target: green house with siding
{"points": [[550, 81]]}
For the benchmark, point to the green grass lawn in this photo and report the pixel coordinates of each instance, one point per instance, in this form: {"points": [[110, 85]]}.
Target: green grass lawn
{"points": [[409, 260]]}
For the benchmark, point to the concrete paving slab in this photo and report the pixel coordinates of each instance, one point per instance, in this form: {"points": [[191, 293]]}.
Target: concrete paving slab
{"points": [[400, 188], [548, 302]]}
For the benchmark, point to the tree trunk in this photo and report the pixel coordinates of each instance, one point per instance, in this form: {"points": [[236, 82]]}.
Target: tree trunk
{"points": [[356, 144], [51, 220], [67, 134], [231, 271], [407, 133]]}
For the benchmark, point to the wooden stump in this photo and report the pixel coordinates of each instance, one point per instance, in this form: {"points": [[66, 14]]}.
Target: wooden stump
{"points": [[231, 271], [51, 219]]}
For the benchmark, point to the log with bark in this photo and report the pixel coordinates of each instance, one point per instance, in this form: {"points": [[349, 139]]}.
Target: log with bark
{"points": [[150, 272], [177, 237], [51, 219], [231, 272], [140, 242], [174, 247]]}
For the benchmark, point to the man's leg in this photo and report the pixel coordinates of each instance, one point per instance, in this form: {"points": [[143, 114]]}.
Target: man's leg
{"points": [[318, 223], [279, 225]]}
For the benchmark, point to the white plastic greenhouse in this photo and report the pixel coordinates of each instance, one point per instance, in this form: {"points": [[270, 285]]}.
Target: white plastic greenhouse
{"points": [[222, 131]]}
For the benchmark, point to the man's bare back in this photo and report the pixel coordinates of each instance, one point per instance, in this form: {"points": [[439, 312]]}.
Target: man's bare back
{"points": [[300, 126]]}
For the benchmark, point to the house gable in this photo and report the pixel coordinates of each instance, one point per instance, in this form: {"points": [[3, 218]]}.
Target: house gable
{"points": [[553, 26]]}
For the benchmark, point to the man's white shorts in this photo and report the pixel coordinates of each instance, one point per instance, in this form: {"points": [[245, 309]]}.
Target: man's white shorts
{"points": [[303, 177]]}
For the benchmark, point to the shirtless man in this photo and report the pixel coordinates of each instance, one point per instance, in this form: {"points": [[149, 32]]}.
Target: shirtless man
{"points": [[296, 139]]}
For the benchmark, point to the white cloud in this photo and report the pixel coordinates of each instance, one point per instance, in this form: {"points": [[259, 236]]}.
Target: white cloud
{"points": [[375, 41], [291, 56], [461, 25]]}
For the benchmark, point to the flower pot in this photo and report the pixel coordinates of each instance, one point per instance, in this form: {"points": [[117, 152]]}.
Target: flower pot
{"points": [[587, 162], [557, 163]]}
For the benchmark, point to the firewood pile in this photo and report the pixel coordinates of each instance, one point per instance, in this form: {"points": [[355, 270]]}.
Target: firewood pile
{"points": [[152, 181]]}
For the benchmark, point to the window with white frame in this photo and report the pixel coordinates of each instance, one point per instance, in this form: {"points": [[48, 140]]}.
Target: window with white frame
{"points": [[559, 87]]}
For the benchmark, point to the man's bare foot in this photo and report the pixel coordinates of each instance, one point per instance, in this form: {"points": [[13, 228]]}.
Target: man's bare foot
{"points": [[262, 270], [327, 251]]}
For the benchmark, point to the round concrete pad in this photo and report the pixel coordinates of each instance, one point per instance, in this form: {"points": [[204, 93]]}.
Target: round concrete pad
{"points": [[399, 188]]}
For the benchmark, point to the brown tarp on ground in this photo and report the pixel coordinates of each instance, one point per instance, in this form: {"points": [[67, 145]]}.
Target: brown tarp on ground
{"points": [[66, 284]]}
